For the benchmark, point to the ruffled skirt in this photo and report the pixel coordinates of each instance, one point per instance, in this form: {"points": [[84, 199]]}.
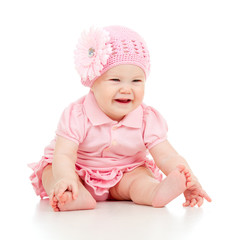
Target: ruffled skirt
{"points": [[97, 181]]}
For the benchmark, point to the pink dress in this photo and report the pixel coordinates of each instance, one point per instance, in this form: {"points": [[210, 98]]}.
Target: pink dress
{"points": [[106, 148]]}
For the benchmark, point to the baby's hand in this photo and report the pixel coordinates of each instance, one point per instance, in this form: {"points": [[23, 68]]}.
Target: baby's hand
{"points": [[63, 185], [194, 194]]}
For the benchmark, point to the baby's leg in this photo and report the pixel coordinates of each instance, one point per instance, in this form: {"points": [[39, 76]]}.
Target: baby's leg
{"points": [[66, 201], [172, 186], [142, 188]]}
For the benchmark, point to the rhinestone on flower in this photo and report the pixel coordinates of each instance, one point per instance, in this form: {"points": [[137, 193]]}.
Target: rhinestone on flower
{"points": [[91, 52]]}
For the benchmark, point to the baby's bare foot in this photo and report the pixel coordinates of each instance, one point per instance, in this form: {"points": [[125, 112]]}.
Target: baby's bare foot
{"points": [[172, 186], [83, 201], [54, 203]]}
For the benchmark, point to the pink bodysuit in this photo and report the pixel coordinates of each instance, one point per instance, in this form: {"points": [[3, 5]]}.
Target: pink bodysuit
{"points": [[106, 148]]}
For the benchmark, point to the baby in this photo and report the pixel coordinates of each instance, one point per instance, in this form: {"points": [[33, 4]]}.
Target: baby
{"points": [[103, 139]]}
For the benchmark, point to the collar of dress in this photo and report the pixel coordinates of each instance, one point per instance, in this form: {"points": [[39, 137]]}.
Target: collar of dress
{"points": [[98, 117]]}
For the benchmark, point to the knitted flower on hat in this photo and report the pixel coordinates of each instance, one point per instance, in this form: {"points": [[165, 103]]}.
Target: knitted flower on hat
{"points": [[92, 53]]}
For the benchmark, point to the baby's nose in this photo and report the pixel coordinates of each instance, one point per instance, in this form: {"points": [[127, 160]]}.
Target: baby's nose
{"points": [[125, 89]]}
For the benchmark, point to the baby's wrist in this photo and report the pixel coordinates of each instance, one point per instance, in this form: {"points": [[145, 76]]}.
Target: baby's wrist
{"points": [[69, 174], [194, 179]]}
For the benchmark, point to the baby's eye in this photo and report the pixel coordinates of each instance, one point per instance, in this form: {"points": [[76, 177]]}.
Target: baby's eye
{"points": [[137, 80], [115, 80]]}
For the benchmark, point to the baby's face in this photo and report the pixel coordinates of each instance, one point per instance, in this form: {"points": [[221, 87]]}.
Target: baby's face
{"points": [[120, 90]]}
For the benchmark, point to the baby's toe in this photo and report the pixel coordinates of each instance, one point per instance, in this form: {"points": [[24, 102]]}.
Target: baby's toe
{"points": [[181, 168]]}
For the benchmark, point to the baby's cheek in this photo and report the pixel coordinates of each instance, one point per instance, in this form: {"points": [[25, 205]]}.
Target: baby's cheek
{"points": [[140, 96]]}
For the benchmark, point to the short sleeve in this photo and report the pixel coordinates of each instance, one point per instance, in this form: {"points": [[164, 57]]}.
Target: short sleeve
{"points": [[155, 127], [71, 124]]}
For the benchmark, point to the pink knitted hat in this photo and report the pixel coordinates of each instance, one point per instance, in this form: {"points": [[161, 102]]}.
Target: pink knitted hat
{"points": [[101, 49]]}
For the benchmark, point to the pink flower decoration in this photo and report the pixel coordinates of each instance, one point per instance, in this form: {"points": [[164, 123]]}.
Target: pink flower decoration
{"points": [[92, 53]]}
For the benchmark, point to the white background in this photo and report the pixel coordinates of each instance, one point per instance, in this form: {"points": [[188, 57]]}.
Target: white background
{"points": [[192, 83]]}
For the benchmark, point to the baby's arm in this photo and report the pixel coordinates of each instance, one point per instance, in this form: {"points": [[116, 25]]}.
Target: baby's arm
{"points": [[167, 159], [63, 166]]}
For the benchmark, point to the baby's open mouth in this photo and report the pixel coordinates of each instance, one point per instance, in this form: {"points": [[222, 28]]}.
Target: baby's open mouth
{"points": [[123, 100]]}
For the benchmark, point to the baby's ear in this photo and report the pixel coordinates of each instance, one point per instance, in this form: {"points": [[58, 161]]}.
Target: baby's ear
{"points": [[92, 88]]}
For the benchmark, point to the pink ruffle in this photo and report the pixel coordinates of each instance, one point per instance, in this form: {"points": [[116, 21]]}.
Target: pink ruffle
{"points": [[150, 164], [102, 181], [36, 176], [99, 180]]}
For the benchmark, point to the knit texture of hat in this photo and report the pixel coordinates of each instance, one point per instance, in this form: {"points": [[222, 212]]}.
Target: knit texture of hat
{"points": [[101, 49]]}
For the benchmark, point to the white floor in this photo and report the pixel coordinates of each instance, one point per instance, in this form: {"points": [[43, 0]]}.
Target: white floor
{"points": [[27, 217]]}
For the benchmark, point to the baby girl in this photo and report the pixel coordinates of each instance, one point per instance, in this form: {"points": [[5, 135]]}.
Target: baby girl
{"points": [[100, 151]]}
